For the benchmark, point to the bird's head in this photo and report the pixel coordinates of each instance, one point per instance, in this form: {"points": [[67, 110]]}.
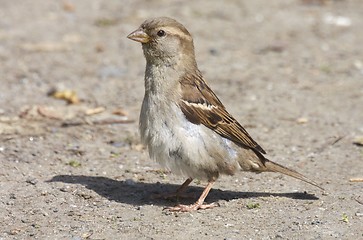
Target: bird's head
{"points": [[165, 41]]}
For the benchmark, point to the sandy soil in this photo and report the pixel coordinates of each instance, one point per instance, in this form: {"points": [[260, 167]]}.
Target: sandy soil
{"points": [[290, 71]]}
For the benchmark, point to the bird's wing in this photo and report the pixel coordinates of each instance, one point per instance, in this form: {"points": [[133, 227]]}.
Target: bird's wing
{"points": [[200, 105]]}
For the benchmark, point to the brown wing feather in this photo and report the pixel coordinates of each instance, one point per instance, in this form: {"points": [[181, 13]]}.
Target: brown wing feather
{"points": [[201, 106]]}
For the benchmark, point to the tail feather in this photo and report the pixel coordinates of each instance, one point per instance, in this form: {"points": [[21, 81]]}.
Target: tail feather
{"points": [[274, 167]]}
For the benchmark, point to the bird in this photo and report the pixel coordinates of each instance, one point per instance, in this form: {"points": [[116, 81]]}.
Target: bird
{"points": [[183, 124]]}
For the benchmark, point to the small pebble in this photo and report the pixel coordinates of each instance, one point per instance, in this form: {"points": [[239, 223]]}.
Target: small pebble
{"points": [[130, 182], [32, 181]]}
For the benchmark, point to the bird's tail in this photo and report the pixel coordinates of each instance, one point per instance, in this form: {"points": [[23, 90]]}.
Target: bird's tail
{"points": [[274, 167]]}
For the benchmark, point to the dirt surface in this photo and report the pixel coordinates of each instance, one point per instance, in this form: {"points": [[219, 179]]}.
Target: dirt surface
{"points": [[290, 71]]}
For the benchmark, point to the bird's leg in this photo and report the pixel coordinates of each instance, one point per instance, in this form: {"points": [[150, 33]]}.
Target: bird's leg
{"points": [[183, 186], [198, 204], [178, 192]]}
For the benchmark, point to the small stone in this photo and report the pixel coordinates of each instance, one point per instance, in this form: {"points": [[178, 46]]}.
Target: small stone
{"points": [[32, 181], [130, 182], [65, 189], [358, 140], [14, 231], [302, 120]]}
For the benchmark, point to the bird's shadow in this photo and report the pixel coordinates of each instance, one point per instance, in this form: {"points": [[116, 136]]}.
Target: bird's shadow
{"points": [[140, 193]]}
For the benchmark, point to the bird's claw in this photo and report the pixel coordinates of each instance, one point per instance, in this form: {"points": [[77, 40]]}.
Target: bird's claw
{"points": [[192, 207]]}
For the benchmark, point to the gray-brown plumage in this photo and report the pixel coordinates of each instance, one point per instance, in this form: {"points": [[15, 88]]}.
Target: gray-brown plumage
{"points": [[183, 123]]}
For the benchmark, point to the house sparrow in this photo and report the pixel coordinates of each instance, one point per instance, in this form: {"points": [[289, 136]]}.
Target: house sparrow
{"points": [[183, 123]]}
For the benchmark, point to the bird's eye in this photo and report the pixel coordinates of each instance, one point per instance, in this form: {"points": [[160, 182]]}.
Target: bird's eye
{"points": [[161, 33]]}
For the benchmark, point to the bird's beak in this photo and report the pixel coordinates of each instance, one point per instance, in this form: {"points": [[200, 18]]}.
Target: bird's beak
{"points": [[139, 36]]}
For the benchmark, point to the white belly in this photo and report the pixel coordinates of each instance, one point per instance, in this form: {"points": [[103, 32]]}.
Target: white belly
{"points": [[180, 146]]}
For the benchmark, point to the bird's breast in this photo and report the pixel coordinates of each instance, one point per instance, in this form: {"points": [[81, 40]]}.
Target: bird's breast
{"points": [[184, 148]]}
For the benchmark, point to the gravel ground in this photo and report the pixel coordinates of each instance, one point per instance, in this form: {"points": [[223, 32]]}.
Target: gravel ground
{"points": [[290, 71]]}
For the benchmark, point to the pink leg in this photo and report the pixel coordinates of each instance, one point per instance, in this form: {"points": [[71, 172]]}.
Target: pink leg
{"points": [[198, 204]]}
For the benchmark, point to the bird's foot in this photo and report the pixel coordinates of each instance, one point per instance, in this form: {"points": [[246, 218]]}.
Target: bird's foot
{"points": [[192, 207]]}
